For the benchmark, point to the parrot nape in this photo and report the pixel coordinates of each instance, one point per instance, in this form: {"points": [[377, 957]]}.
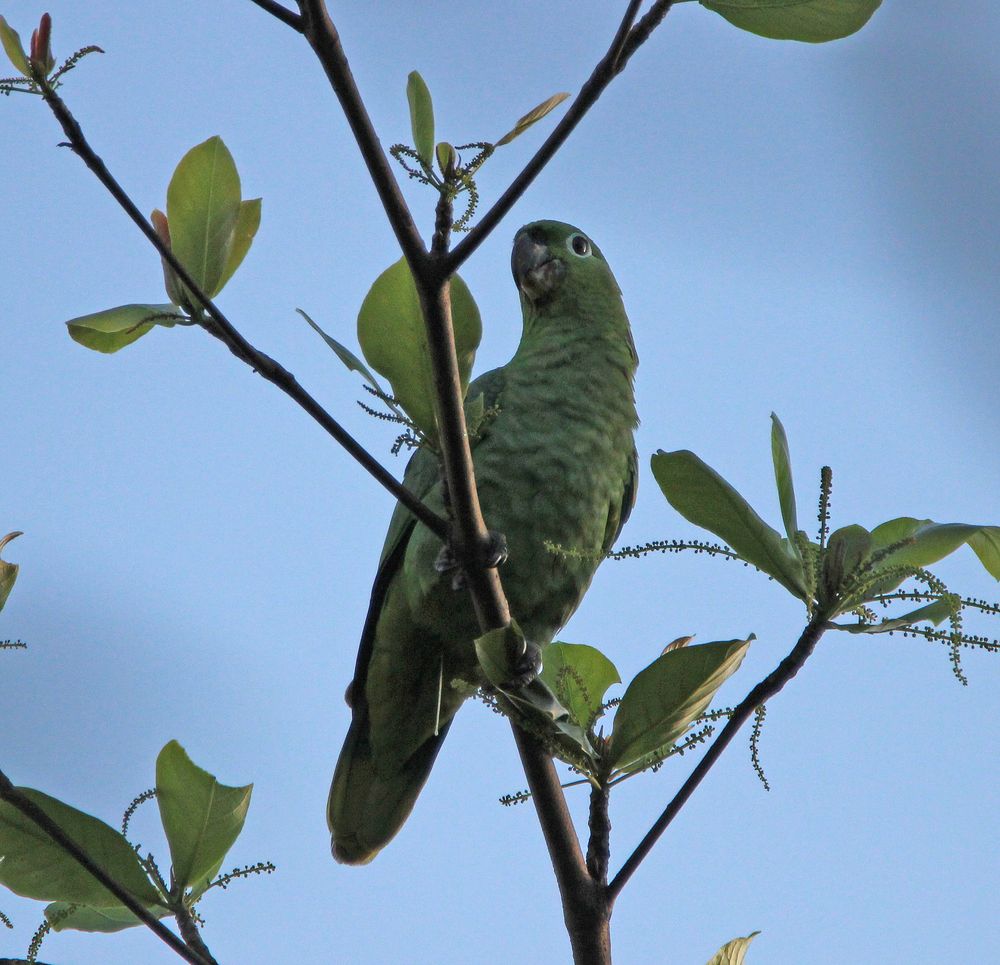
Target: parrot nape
{"points": [[555, 462]]}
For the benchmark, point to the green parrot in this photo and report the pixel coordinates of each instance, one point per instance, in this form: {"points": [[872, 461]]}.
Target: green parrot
{"points": [[555, 461]]}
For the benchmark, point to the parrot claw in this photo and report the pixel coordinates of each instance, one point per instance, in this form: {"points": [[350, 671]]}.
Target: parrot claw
{"points": [[493, 554]]}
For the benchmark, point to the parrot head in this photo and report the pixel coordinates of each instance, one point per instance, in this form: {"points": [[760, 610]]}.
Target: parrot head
{"points": [[547, 253]]}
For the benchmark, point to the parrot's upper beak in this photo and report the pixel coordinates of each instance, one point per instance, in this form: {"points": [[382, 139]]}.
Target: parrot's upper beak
{"points": [[536, 271]]}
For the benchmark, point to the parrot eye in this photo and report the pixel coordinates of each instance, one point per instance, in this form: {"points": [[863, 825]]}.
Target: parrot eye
{"points": [[579, 245]]}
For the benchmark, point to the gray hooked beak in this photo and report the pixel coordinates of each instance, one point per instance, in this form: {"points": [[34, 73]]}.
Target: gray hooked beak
{"points": [[535, 270]]}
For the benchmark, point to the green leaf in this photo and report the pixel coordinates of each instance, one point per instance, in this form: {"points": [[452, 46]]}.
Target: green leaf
{"points": [[783, 480], [247, 223], [203, 207], [847, 548], [421, 116], [353, 363], [11, 41], [201, 817], [733, 953], [34, 866], [704, 498], [663, 700], [393, 339], [114, 328], [63, 915], [579, 676], [931, 542], [812, 21], [8, 571], [446, 158], [535, 114], [935, 612]]}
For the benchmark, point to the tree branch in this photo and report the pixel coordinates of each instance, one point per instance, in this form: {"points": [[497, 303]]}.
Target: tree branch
{"points": [[624, 44], [325, 41], [285, 15], [190, 933], [36, 815], [224, 330], [760, 694]]}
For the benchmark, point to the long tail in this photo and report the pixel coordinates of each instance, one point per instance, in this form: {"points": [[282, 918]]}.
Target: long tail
{"points": [[369, 801]]}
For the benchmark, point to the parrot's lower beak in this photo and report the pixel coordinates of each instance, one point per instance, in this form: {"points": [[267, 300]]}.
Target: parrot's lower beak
{"points": [[536, 271]]}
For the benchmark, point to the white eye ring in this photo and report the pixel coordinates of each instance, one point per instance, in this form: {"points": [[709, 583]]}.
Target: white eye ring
{"points": [[579, 245]]}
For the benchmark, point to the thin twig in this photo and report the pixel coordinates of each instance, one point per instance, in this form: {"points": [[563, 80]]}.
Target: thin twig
{"points": [[223, 329], [37, 816], [760, 694], [285, 15], [610, 65], [191, 934]]}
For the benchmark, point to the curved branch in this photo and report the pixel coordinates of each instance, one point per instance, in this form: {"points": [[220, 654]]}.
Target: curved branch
{"points": [[37, 816], [224, 330], [760, 694]]}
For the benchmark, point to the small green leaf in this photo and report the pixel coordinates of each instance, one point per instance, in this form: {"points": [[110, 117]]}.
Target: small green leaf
{"points": [[421, 116], [734, 952], [393, 339], [535, 114], [63, 915], [846, 550], [935, 612], [446, 158], [247, 223], [498, 652], [783, 480], [579, 676], [353, 363], [8, 571], [812, 21], [34, 866], [11, 41], [704, 498], [663, 700], [201, 817], [203, 207], [114, 328]]}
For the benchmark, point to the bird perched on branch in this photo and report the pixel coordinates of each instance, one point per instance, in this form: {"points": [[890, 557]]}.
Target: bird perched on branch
{"points": [[555, 462]]}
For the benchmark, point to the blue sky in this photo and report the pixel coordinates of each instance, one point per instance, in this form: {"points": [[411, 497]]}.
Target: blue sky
{"points": [[809, 230]]}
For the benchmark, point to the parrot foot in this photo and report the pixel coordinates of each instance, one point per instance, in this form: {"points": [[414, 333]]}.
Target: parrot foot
{"points": [[493, 553], [525, 667]]}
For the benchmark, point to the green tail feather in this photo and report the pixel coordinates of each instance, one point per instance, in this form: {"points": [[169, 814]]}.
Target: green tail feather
{"points": [[369, 804]]}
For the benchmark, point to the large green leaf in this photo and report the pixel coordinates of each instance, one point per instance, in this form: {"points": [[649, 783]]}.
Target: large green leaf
{"points": [[783, 479], [846, 550], [114, 328], [34, 866], [62, 915], [734, 952], [663, 700], [203, 207], [201, 817], [704, 498], [421, 116], [813, 21], [579, 676], [393, 338], [8, 571], [11, 41], [929, 542]]}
